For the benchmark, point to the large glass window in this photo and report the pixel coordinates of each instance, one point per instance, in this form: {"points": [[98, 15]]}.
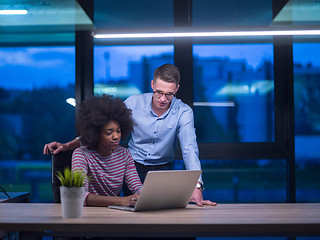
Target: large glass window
{"points": [[234, 92], [122, 71], [307, 120], [243, 181], [35, 85]]}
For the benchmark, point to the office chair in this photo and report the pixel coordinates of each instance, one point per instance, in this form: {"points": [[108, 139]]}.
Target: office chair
{"points": [[58, 163]]}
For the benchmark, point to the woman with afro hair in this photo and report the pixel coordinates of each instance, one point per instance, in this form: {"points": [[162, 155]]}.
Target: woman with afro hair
{"points": [[102, 123]]}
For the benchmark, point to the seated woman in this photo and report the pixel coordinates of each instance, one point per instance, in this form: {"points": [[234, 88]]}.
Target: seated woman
{"points": [[102, 123]]}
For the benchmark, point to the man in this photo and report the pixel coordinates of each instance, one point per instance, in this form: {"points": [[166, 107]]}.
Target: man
{"points": [[160, 120]]}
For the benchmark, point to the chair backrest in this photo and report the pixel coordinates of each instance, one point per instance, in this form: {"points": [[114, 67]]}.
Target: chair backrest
{"points": [[58, 163]]}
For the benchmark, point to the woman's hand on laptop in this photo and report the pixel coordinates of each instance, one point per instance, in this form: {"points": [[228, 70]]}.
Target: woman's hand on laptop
{"points": [[131, 200], [197, 198]]}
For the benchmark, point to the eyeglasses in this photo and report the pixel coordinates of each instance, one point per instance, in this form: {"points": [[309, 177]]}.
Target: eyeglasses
{"points": [[159, 94]]}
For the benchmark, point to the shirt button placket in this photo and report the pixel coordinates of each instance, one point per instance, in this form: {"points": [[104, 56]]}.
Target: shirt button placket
{"points": [[155, 131], [154, 136]]}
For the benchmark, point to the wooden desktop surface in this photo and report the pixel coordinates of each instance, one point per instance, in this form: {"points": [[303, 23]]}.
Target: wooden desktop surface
{"points": [[296, 219]]}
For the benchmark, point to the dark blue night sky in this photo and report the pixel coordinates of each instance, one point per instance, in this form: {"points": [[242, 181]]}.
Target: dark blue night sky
{"points": [[25, 68]]}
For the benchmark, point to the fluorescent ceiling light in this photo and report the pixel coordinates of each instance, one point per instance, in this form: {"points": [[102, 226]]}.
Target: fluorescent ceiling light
{"points": [[13, 12], [209, 34]]}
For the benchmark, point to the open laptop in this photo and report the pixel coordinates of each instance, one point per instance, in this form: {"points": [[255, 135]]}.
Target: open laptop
{"points": [[165, 190]]}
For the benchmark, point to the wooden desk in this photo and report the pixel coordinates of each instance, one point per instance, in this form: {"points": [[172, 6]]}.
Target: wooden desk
{"points": [[15, 197], [222, 220]]}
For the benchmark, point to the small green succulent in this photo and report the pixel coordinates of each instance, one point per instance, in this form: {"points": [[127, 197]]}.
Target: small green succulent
{"points": [[71, 178]]}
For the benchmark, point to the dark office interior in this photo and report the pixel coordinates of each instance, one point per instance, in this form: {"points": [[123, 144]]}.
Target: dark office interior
{"points": [[255, 97]]}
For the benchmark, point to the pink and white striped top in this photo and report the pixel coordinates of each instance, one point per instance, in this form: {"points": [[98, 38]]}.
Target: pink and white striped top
{"points": [[106, 174]]}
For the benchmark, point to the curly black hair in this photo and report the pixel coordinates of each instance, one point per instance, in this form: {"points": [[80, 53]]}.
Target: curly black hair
{"points": [[95, 112]]}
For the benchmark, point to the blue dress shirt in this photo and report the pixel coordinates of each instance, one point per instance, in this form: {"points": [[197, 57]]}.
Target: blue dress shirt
{"points": [[154, 138]]}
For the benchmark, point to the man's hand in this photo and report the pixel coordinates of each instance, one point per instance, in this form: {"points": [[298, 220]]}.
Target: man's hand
{"points": [[54, 148], [198, 198]]}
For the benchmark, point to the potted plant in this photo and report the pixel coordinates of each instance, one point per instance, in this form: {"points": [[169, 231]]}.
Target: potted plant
{"points": [[71, 192]]}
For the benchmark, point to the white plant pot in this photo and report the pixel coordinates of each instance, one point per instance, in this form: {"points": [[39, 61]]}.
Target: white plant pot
{"points": [[71, 201]]}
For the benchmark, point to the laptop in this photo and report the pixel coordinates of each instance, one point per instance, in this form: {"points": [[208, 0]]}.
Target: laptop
{"points": [[165, 190]]}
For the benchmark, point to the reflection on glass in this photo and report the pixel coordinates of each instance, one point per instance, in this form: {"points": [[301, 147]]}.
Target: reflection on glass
{"points": [[243, 181], [307, 120], [234, 93], [35, 84], [231, 13], [110, 14], [122, 71]]}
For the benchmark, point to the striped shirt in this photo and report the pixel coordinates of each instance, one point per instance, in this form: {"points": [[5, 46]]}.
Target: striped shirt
{"points": [[106, 174]]}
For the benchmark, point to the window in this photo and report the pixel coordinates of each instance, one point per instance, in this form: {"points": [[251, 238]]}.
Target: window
{"points": [[307, 120], [35, 84], [122, 71], [243, 181], [234, 92]]}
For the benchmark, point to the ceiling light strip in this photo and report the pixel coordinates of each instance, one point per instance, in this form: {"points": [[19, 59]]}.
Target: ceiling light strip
{"points": [[209, 34], [13, 12]]}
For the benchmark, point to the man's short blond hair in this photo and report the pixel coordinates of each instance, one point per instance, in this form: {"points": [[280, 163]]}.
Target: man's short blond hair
{"points": [[168, 73]]}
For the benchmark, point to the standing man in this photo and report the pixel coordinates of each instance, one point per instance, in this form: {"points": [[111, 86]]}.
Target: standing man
{"points": [[161, 119]]}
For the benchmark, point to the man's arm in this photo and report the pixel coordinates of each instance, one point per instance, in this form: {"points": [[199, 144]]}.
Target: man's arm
{"points": [[55, 147], [190, 153], [188, 141]]}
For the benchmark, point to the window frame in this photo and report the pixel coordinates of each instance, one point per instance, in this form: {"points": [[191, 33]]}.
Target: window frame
{"points": [[282, 148]]}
